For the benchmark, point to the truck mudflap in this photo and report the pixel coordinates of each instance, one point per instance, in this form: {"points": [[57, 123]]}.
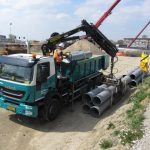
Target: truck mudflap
{"points": [[22, 109]]}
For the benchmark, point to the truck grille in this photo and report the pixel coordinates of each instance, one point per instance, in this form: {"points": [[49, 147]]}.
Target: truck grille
{"points": [[11, 94]]}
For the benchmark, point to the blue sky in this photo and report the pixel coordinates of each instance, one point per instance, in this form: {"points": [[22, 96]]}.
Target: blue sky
{"points": [[37, 19]]}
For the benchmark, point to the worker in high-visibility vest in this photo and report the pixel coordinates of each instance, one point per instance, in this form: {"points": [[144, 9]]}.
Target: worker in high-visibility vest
{"points": [[58, 53], [58, 56], [144, 62]]}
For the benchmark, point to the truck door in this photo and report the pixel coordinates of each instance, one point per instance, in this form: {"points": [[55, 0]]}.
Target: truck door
{"points": [[43, 72]]}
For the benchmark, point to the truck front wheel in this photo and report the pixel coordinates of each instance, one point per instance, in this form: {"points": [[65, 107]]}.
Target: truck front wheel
{"points": [[52, 109]]}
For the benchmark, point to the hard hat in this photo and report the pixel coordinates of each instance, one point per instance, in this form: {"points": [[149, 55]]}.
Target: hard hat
{"points": [[61, 45]]}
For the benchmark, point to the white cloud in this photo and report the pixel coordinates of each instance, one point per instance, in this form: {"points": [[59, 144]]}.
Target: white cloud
{"points": [[39, 18], [146, 8], [29, 3], [22, 4], [126, 19], [32, 17], [61, 16], [95, 8], [4, 2], [90, 9]]}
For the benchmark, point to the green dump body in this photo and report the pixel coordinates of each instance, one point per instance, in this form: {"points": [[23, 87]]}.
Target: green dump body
{"points": [[78, 69]]}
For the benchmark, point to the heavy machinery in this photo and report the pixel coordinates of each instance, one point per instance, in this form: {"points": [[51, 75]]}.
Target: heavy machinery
{"points": [[51, 44], [35, 87], [32, 85]]}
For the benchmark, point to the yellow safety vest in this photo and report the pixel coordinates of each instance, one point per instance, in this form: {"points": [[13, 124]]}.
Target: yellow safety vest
{"points": [[144, 62]]}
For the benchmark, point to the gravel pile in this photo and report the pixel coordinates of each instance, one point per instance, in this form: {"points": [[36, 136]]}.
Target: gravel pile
{"points": [[84, 45]]}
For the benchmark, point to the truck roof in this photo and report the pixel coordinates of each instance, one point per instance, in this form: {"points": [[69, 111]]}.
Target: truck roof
{"points": [[25, 60], [24, 56], [28, 57]]}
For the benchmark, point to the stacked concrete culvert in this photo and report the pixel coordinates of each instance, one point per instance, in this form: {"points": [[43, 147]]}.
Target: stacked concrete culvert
{"points": [[88, 97], [98, 100], [103, 96], [102, 101], [96, 111], [137, 76], [134, 76], [126, 80]]}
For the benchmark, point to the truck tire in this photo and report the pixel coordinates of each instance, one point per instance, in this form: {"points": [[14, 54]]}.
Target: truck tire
{"points": [[52, 109]]}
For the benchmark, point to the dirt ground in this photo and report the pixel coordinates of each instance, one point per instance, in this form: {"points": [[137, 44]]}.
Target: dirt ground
{"points": [[70, 131]]}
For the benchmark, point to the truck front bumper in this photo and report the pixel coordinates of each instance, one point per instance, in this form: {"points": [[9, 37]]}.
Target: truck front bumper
{"points": [[22, 109]]}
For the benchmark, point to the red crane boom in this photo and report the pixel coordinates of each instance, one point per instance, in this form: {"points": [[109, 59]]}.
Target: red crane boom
{"points": [[138, 35], [106, 14]]}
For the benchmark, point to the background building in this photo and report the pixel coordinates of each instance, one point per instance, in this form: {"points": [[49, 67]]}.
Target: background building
{"points": [[143, 43], [2, 38]]}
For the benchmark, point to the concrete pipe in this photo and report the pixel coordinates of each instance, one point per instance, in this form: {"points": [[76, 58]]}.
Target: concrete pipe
{"points": [[86, 108], [103, 96], [132, 52], [135, 82], [125, 84], [119, 77], [131, 71], [96, 111], [126, 80], [87, 98], [136, 74]]}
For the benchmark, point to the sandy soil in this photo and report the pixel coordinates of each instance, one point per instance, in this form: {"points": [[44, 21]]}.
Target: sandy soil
{"points": [[70, 131], [84, 45], [125, 64]]}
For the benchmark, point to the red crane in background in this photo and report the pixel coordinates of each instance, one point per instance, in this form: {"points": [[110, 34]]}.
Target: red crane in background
{"points": [[138, 34], [106, 14]]}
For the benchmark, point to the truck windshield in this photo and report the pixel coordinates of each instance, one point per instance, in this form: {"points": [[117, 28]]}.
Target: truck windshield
{"points": [[16, 73]]}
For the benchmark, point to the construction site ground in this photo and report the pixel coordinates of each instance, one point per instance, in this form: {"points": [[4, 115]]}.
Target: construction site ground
{"points": [[70, 131]]}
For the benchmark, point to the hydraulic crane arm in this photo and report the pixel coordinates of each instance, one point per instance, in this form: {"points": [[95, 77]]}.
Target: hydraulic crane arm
{"points": [[100, 39], [90, 30], [57, 38]]}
